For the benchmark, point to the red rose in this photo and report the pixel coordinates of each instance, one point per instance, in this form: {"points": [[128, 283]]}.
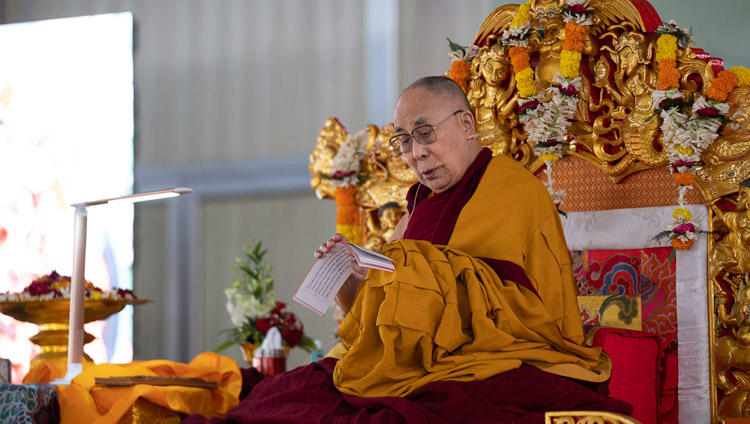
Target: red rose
{"points": [[684, 228], [578, 8], [280, 306], [528, 105], [569, 90], [290, 319], [263, 325], [710, 112], [292, 337]]}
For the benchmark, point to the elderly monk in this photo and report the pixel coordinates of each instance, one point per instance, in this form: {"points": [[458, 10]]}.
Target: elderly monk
{"points": [[479, 320]]}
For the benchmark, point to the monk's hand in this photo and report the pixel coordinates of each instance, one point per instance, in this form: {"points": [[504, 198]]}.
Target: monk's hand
{"points": [[360, 273], [327, 246]]}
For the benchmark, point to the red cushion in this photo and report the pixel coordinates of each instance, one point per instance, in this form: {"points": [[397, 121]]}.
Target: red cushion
{"points": [[635, 369]]}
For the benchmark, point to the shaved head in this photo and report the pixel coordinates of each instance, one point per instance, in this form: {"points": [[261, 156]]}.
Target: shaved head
{"points": [[443, 87]]}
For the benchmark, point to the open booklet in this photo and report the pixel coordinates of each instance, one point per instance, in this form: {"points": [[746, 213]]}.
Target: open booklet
{"points": [[329, 273]]}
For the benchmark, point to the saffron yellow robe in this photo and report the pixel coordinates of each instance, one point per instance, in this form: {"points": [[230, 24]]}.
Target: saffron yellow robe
{"points": [[446, 315]]}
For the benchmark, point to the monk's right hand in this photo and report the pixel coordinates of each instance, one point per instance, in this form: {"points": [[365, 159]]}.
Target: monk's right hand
{"points": [[326, 247], [359, 273], [346, 294]]}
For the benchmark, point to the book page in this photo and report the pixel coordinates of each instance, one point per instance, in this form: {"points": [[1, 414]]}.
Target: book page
{"points": [[371, 259], [324, 280]]}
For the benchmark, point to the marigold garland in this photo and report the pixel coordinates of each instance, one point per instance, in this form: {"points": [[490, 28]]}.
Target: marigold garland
{"points": [[347, 213], [460, 73], [461, 57], [570, 57], [666, 59], [722, 86], [684, 178], [743, 75], [523, 16], [682, 245], [519, 58], [669, 76], [516, 38], [684, 137]]}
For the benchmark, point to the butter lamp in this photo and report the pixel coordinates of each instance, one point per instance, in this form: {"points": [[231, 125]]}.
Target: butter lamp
{"points": [[77, 289]]}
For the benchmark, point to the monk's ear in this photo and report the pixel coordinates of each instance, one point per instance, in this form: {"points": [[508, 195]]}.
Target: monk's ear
{"points": [[467, 121]]}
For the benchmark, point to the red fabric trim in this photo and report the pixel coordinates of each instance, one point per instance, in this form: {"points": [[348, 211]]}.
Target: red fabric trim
{"points": [[508, 270]]}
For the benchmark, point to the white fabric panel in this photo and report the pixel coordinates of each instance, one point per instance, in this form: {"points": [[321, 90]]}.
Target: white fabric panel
{"points": [[633, 229]]}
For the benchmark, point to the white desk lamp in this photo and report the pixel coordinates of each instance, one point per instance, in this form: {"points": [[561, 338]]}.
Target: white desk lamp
{"points": [[77, 290]]}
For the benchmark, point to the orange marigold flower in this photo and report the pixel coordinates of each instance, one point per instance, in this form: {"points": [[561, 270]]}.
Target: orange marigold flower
{"points": [[346, 205], [669, 77], [684, 179], [725, 81], [460, 73], [682, 245], [519, 59], [572, 45], [575, 32], [716, 94]]}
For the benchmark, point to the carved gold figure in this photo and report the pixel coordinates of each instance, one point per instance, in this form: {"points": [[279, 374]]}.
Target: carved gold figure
{"points": [[381, 231], [730, 254], [548, 37], [733, 351], [493, 97], [634, 82]]}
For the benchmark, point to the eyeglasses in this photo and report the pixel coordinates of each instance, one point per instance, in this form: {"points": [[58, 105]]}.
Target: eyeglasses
{"points": [[424, 134]]}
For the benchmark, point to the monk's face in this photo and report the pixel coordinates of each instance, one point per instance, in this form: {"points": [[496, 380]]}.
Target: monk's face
{"points": [[439, 165]]}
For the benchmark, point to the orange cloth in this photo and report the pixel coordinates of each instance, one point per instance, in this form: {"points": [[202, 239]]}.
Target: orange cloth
{"points": [[84, 402], [444, 315]]}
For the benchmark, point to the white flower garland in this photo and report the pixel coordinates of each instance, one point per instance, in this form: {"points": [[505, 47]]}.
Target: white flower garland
{"points": [[346, 164]]}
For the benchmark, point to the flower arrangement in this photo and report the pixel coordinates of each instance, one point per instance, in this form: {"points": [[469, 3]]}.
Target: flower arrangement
{"points": [[252, 305], [688, 126], [461, 57], [346, 167], [548, 115], [56, 286], [517, 38], [682, 231]]}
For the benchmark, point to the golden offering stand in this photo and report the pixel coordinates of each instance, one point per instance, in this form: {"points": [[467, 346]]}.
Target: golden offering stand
{"points": [[52, 316]]}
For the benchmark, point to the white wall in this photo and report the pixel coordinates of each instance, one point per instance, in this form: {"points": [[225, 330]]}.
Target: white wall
{"points": [[230, 95]]}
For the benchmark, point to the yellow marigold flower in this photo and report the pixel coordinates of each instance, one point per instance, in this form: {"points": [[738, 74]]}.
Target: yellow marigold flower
{"points": [[682, 214], [549, 157], [522, 17], [743, 75], [684, 150], [525, 83], [96, 295], [570, 62], [347, 231], [666, 47]]}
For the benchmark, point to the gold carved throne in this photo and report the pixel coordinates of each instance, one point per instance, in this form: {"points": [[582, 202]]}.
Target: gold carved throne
{"points": [[619, 160]]}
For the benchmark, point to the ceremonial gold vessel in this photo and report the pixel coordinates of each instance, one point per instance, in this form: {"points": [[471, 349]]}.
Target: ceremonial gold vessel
{"points": [[52, 315]]}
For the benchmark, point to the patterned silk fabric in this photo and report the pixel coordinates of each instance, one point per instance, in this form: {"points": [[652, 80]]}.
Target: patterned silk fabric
{"points": [[647, 273]]}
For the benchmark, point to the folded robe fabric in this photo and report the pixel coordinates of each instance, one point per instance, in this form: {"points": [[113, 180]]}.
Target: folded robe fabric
{"points": [[307, 395], [444, 315], [84, 402], [483, 282]]}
